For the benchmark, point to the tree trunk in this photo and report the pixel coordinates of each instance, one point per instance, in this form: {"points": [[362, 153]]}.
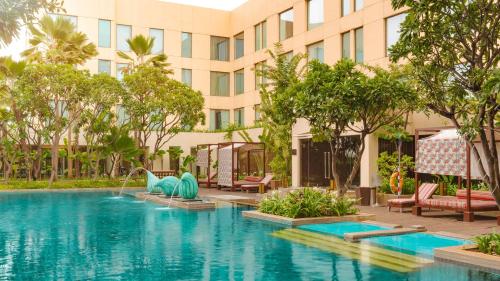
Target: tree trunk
{"points": [[334, 151], [54, 159], [357, 161], [69, 147]]}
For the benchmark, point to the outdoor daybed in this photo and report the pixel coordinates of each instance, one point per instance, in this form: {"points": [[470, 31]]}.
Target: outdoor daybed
{"points": [[425, 192], [480, 201], [208, 183]]}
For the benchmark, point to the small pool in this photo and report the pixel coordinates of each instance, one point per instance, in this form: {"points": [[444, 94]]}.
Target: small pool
{"points": [[340, 228], [416, 243]]}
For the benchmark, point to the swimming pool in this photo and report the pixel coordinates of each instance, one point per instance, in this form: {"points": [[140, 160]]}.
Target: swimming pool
{"points": [[340, 228], [90, 236]]}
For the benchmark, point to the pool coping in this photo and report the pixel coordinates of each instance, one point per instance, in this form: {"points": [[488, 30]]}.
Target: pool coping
{"points": [[71, 189], [189, 205], [301, 221], [357, 236], [463, 255]]}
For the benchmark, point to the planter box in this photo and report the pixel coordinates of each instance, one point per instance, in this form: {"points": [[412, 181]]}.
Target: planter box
{"points": [[467, 255], [301, 221], [383, 197], [275, 184]]}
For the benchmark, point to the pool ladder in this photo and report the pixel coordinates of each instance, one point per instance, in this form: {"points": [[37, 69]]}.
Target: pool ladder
{"points": [[377, 256]]}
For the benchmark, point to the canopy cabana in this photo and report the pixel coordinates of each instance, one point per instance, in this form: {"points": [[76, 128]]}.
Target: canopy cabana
{"points": [[228, 159], [447, 153], [204, 159]]}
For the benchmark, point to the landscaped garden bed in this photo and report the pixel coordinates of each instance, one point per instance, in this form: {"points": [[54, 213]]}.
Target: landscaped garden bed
{"points": [[306, 206]]}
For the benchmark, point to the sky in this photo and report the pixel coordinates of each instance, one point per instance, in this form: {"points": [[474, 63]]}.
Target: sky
{"points": [[216, 4], [20, 44]]}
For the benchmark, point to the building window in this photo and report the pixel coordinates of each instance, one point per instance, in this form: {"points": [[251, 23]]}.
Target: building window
{"points": [[359, 44], [104, 66], [219, 119], [358, 5], [346, 7], [72, 19], [346, 45], [393, 30], [315, 15], [104, 34], [316, 51], [239, 117], [187, 77], [173, 160], [256, 109], [239, 82], [119, 70], [219, 48], [122, 116], [219, 84], [123, 33], [259, 78], [186, 49], [260, 36], [157, 34], [286, 24], [239, 45]]}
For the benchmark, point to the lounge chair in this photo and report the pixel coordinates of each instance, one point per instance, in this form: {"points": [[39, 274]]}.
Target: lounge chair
{"points": [[213, 181], [257, 185], [425, 191], [246, 181], [480, 201]]}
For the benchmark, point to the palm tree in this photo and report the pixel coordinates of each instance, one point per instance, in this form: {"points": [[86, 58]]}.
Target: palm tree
{"points": [[142, 48], [57, 41]]}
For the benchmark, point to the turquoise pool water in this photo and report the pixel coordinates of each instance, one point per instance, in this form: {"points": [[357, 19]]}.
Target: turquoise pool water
{"points": [[416, 243], [90, 236], [340, 228]]}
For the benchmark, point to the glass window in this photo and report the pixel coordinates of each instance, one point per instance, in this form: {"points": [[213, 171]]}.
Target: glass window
{"points": [[239, 117], [157, 34], [186, 49], [219, 83], [346, 45], [359, 44], [346, 7], [315, 16], [239, 82], [72, 19], [104, 66], [259, 79], [316, 52], [288, 56], [173, 162], [219, 119], [260, 36], [121, 115], [393, 30], [256, 109], [187, 77], [358, 5], [219, 48], [104, 33], [239, 45], [286, 24], [119, 70], [123, 33]]}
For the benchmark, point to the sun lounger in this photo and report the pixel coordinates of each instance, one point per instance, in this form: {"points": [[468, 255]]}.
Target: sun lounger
{"points": [[213, 181], [256, 186], [425, 191]]}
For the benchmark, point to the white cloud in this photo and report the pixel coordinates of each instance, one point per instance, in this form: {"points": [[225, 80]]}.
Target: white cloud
{"points": [[227, 5]]}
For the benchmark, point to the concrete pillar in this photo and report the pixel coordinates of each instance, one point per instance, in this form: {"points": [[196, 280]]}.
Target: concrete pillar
{"points": [[368, 168], [296, 161]]}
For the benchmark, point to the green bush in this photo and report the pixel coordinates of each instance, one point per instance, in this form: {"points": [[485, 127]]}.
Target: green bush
{"points": [[388, 164], [306, 203], [408, 186], [488, 243], [66, 184]]}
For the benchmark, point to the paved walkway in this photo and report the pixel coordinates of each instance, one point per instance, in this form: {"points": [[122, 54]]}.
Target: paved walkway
{"points": [[435, 221]]}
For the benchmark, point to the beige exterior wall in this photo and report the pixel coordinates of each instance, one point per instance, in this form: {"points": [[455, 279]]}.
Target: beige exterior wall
{"points": [[203, 22]]}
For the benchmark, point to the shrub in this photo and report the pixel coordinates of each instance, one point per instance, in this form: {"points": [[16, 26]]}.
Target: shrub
{"points": [[388, 164], [73, 183], [408, 186], [489, 243], [306, 203]]}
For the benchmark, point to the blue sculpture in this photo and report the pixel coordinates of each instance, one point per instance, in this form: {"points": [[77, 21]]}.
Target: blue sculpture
{"points": [[189, 186], [186, 187], [152, 182], [168, 185]]}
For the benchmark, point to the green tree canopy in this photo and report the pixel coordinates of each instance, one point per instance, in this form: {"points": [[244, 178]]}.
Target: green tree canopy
{"points": [[142, 49], [453, 49]]}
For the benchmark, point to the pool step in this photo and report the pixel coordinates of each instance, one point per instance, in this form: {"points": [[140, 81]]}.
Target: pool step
{"points": [[366, 253]]}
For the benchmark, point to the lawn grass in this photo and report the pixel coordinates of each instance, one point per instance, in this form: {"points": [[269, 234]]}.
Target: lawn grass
{"points": [[71, 183]]}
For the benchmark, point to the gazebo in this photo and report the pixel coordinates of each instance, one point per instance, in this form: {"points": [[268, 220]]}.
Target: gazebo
{"points": [[204, 161], [445, 152], [228, 159]]}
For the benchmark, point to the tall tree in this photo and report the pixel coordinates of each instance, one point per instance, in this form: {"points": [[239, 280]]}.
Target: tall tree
{"points": [[277, 107], [142, 49], [159, 107], [16, 13], [453, 47], [49, 92], [57, 41], [342, 98]]}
